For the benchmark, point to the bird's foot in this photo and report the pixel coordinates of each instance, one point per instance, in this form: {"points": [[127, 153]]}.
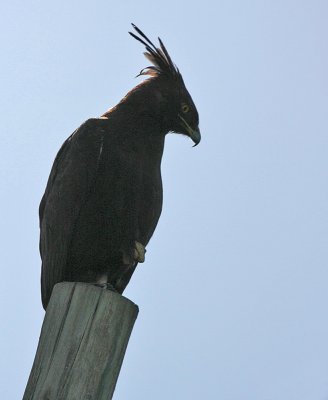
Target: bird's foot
{"points": [[138, 254], [107, 286]]}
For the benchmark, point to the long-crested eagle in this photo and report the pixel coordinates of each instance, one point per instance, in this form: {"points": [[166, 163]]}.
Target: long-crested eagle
{"points": [[104, 194]]}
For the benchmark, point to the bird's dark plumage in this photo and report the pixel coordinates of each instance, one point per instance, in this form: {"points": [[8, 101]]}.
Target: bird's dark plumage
{"points": [[104, 194]]}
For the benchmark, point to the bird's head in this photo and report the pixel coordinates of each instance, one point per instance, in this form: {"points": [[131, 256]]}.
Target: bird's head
{"points": [[180, 115]]}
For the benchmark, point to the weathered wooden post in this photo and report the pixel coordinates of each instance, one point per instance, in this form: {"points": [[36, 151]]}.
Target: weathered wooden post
{"points": [[82, 344]]}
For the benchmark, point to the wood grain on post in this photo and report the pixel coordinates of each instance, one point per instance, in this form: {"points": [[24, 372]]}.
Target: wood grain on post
{"points": [[82, 344]]}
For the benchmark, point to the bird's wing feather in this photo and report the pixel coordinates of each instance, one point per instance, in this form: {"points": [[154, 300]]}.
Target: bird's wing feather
{"points": [[71, 179]]}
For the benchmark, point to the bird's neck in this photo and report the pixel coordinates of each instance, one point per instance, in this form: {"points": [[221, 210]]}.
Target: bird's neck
{"points": [[141, 109], [137, 125]]}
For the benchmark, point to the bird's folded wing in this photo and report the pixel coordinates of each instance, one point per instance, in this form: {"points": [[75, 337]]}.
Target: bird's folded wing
{"points": [[72, 177]]}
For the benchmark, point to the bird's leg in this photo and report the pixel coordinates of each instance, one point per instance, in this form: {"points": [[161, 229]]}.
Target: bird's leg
{"points": [[107, 286], [138, 254], [103, 283]]}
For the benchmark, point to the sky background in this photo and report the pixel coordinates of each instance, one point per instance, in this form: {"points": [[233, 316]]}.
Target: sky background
{"points": [[233, 295]]}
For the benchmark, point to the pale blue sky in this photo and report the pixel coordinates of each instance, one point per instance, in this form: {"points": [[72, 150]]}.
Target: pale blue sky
{"points": [[233, 295]]}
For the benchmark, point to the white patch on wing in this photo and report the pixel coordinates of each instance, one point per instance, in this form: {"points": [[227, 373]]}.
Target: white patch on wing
{"points": [[101, 147]]}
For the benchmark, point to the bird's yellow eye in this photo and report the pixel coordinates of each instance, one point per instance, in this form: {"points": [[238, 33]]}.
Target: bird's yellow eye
{"points": [[184, 108]]}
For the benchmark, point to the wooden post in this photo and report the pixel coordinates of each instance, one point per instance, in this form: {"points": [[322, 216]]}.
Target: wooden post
{"points": [[82, 344]]}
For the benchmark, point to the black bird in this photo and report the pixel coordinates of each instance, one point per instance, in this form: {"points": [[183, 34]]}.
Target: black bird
{"points": [[104, 194]]}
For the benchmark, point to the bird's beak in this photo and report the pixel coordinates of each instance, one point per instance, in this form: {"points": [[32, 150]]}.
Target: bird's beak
{"points": [[194, 133]]}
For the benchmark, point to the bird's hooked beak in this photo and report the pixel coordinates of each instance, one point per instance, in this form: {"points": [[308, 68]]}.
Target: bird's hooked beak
{"points": [[194, 134]]}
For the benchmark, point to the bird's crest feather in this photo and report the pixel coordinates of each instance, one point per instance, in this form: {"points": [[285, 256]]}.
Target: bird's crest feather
{"points": [[158, 56]]}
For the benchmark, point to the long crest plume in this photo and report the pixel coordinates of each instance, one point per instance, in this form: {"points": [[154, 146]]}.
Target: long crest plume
{"points": [[158, 56]]}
